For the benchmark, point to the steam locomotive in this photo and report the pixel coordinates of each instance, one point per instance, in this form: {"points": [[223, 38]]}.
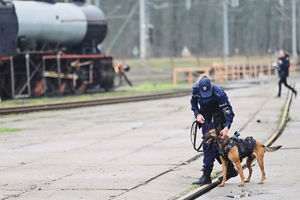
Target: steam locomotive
{"points": [[52, 48]]}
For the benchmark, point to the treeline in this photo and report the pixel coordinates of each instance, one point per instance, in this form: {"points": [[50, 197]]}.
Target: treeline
{"points": [[255, 27]]}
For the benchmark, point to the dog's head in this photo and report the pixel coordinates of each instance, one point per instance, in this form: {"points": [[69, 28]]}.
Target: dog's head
{"points": [[212, 134]]}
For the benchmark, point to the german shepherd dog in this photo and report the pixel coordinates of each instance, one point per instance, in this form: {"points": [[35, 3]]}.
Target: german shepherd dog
{"points": [[234, 155]]}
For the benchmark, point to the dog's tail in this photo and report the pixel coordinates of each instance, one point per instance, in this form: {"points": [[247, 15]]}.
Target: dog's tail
{"points": [[271, 149]]}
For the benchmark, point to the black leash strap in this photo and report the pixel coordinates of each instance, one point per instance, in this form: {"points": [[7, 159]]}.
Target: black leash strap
{"points": [[194, 128]]}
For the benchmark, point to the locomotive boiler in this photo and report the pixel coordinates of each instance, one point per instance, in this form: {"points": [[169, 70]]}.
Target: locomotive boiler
{"points": [[52, 48]]}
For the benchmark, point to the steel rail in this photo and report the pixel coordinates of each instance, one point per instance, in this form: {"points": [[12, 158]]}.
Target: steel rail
{"points": [[276, 134], [96, 102]]}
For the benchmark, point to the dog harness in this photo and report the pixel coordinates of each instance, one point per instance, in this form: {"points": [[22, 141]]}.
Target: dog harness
{"points": [[245, 147]]}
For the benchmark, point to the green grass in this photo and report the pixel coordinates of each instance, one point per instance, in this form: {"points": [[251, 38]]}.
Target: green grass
{"points": [[215, 174], [5, 130], [287, 118], [280, 117], [192, 61], [146, 87], [193, 187]]}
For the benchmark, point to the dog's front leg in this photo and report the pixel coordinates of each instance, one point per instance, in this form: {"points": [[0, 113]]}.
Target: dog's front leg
{"points": [[224, 171], [241, 172], [233, 155]]}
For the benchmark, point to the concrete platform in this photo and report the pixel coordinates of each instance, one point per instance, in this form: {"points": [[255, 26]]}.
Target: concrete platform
{"points": [[282, 168], [138, 150]]}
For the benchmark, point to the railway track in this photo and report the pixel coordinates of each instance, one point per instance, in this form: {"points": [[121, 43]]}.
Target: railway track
{"points": [[215, 183], [134, 98], [104, 101]]}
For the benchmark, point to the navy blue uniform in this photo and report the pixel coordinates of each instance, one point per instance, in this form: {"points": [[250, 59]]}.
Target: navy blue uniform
{"points": [[217, 103], [283, 73], [283, 69]]}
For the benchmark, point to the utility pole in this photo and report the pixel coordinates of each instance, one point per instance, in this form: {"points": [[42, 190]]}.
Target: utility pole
{"points": [[281, 20], [294, 35], [142, 32], [97, 3], [188, 4], [225, 30]]}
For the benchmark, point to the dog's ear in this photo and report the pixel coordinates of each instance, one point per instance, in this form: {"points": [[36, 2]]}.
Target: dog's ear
{"points": [[218, 130]]}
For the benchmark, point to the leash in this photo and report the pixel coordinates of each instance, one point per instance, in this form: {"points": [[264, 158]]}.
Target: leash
{"points": [[193, 134], [194, 129]]}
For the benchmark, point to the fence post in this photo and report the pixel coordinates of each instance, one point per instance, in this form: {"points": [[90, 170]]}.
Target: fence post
{"points": [[174, 77]]}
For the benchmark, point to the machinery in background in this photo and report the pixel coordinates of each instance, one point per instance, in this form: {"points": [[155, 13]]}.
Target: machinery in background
{"points": [[52, 48]]}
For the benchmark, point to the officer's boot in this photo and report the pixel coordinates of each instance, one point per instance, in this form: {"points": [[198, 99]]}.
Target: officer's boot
{"points": [[231, 171], [205, 178]]}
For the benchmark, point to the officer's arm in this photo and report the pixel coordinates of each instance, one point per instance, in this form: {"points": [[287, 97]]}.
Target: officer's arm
{"points": [[194, 103], [225, 106]]}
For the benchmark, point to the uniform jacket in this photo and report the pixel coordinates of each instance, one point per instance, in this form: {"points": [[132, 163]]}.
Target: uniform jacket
{"points": [[217, 103], [283, 69]]}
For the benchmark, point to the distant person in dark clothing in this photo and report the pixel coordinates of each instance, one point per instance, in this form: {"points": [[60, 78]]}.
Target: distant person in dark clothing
{"points": [[283, 65]]}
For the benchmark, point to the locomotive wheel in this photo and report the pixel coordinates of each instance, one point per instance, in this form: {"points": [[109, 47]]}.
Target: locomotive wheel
{"points": [[38, 89], [109, 76], [77, 86], [53, 87], [52, 83]]}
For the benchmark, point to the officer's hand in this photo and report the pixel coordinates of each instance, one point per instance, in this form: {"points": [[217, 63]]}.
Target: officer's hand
{"points": [[280, 61], [200, 119], [224, 132]]}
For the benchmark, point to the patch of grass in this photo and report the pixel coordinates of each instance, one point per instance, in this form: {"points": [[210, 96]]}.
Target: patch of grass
{"points": [[215, 174], [280, 117], [156, 86], [146, 87], [6, 130], [193, 187], [193, 61], [288, 119]]}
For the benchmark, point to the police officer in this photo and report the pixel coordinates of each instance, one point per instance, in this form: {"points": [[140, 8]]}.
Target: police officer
{"points": [[215, 111], [283, 71]]}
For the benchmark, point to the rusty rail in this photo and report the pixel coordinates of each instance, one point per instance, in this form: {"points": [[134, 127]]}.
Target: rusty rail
{"points": [[96, 102]]}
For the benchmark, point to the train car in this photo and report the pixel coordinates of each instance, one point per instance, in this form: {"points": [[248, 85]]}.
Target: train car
{"points": [[52, 48]]}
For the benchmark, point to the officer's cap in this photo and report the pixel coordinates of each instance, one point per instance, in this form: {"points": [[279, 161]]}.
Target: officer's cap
{"points": [[205, 87]]}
